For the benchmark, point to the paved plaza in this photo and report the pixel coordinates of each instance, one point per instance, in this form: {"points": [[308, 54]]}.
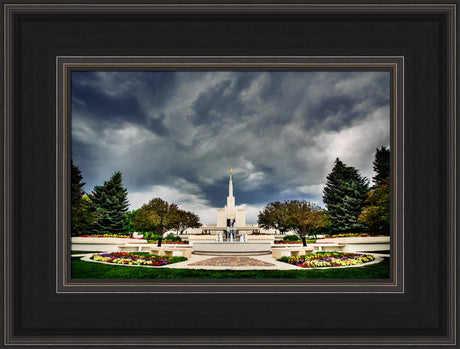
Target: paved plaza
{"points": [[232, 262], [256, 262]]}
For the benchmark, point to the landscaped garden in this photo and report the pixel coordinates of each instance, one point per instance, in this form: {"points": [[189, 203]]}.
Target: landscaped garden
{"points": [[294, 239], [87, 270], [328, 259], [353, 210], [169, 239], [136, 258], [353, 235], [118, 236]]}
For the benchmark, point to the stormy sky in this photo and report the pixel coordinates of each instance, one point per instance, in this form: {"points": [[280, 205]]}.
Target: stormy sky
{"points": [[175, 135]]}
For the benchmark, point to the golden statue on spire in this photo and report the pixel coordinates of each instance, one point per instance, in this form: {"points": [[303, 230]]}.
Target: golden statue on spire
{"points": [[230, 171]]}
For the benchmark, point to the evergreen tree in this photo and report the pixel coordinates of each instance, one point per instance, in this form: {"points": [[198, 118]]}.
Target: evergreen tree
{"points": [[344, 215], [381, 166], [344, 196], [80, 214], [110, 203], [76, 192]]}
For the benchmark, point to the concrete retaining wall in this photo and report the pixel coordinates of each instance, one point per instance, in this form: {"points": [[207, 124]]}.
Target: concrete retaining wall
{"points": [[192, 239], [357, 240], [257, 244], [115, 241], [95, 247], [101, 244], [232, 248], [261, 238], [360, 244]]}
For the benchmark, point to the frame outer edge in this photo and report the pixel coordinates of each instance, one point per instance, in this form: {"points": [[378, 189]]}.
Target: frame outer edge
{"points": [[452, 180], [8, 182], [8, 161]]}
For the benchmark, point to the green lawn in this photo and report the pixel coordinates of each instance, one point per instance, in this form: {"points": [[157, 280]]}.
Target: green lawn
{"points": [[89, 270]]}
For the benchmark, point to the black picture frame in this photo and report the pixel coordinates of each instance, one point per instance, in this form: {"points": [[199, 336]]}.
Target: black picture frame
{"points": [[42, 309]]}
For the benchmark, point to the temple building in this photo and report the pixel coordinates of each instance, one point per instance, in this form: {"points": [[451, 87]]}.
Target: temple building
{"points": [[230, 216]]}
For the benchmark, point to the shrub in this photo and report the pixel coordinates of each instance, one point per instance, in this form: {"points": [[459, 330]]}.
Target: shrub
{"points": [[170, 238], [151, 235], [173, 238], [291, 238]]}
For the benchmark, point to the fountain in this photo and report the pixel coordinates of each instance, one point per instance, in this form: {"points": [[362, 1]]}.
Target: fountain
{"points": [[231, 230], [230, 241]]}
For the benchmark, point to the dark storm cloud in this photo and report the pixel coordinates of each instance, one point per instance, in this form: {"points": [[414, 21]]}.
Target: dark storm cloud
{"points": [[111, 99], [176, 134], [340, 109], [212, 105]]}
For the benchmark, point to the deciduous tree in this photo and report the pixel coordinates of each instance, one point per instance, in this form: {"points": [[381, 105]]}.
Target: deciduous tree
{"points": [[187, 219], [158, 216], [274, 216], [300, 216], [146, 220], [305, 218], [130, 217], [376, 216]]}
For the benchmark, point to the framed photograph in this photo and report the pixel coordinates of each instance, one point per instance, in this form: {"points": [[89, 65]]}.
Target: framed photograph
{"points": [[178, 106], [227, 111]]}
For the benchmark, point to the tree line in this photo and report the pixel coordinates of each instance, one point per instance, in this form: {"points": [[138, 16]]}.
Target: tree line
{"points": [[105, 210], [352, 206]]}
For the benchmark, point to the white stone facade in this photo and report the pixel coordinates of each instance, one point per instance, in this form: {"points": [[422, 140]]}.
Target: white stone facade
{"points": [[231, 212]]}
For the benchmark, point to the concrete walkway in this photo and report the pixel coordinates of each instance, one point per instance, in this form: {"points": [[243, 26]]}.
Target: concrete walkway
{"points": [[192, 262]]}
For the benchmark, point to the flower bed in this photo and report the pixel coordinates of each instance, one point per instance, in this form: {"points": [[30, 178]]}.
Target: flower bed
{"points": [[168, 242], [355, 235], [294, 242], [328, 259], [135, 258], [107, 236]]}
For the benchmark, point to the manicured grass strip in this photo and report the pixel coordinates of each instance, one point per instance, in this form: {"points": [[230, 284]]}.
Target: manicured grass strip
{"points": [[89, 270]]}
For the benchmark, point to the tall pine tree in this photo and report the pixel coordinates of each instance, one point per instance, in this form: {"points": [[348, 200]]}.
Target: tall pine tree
{"points": [[109, 202], [381, 166], [78, 223], [376, 216], [81, 216], [344, 195]]}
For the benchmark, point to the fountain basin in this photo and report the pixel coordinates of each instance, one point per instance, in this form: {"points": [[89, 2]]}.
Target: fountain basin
{"points": [[231, 248]]}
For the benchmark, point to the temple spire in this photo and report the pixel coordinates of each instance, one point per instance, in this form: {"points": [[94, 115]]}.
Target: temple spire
{"points": [[230, 185]]}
